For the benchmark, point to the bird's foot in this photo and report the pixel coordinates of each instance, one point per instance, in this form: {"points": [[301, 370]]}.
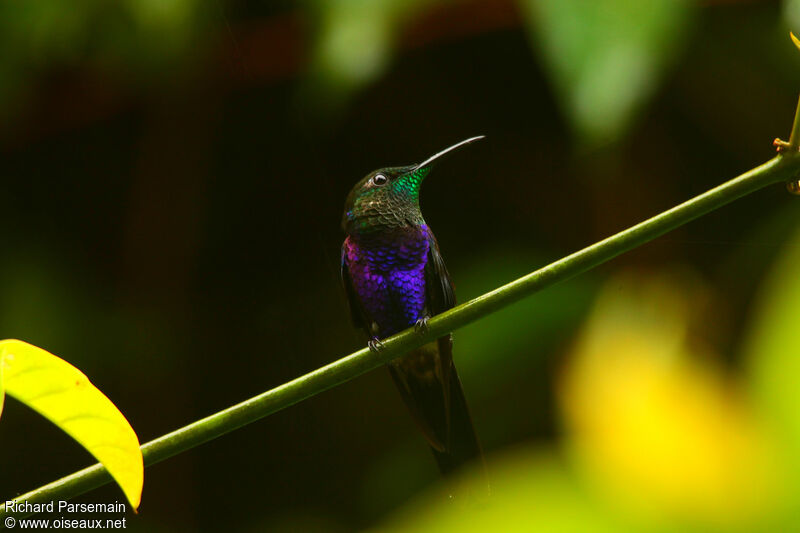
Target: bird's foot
{"points": [[375, 345], [421, 325]]}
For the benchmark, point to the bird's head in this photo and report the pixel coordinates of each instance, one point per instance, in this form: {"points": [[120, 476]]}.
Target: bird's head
{"points": [[389, 197]]}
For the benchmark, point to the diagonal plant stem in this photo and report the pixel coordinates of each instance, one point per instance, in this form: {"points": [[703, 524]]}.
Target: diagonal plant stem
{"points": [[782, 168]]}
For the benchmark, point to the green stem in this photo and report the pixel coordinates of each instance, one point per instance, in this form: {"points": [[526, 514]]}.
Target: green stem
{"points": [[794, 137], [779, 169]]}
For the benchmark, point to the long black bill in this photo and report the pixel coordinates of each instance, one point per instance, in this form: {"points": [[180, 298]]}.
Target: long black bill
{"points": [[436, 156]]}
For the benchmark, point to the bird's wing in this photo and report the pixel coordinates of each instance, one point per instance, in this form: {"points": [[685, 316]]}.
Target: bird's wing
{"points": [[461, 441], [438, 285], [441, 296], [360, 319]]}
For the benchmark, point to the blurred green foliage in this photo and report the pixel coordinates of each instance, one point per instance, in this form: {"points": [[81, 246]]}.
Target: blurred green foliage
{"points": [[606, 57], [132, 39], [490, 351], [791, 14], [356, 38], [772, 355]]}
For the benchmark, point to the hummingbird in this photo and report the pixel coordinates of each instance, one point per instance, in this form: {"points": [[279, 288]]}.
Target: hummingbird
{"points": [[395, 278]]}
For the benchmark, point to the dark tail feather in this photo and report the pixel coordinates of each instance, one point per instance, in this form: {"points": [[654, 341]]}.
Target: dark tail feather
{"points": [[430, 387], [463, 446]]}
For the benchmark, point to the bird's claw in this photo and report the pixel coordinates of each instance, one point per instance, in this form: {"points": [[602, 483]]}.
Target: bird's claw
{"points": [[375, 345], [421, 325]]}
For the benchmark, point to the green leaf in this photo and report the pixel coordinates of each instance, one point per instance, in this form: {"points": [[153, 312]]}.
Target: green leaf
{"points": [[355, 41], [605, 57], [63, 394]]}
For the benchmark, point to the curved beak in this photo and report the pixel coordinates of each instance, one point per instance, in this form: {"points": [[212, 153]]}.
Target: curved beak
{"points": [[436, 156]]}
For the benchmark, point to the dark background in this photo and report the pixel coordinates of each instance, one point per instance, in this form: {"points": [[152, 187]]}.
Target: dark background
{"points": [[170, 225]]}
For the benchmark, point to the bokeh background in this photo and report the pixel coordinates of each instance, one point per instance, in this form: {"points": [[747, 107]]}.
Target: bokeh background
{"points": [[172, 174]]}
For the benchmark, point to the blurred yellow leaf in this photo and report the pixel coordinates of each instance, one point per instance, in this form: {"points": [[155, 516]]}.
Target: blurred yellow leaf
{"points": [[655, 429], [63, 394]]}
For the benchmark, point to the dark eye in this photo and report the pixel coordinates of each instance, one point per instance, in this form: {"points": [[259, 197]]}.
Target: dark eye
{"points": [[379, 180]]}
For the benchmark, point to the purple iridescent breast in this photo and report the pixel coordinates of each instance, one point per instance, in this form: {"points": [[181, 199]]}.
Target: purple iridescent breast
{"points": [[387, 270]]}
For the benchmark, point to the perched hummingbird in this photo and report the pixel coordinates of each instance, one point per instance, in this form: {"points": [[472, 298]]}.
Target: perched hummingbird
{"points": [[395, 278]]}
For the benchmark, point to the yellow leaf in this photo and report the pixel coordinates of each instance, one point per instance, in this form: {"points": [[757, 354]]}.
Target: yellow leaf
{"points": [[63, 394], [795, 40], [2, 386], [655, 426]]}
